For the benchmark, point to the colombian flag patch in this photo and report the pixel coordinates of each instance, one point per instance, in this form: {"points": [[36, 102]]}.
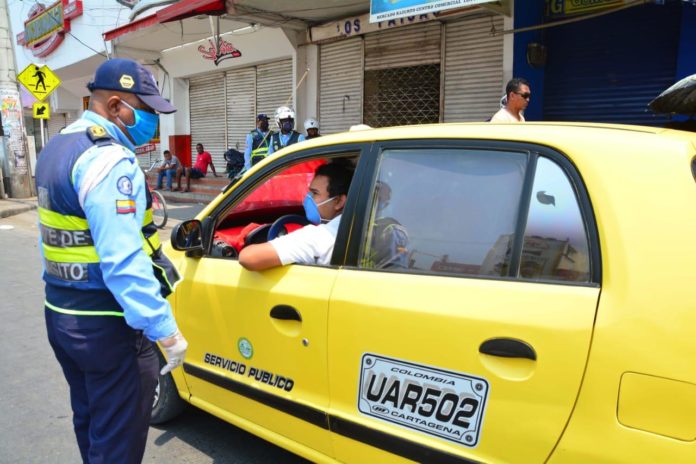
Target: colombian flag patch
{"points": [[125, 206]]}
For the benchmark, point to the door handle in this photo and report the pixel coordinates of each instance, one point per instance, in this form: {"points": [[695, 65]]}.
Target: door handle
{"points": [[285, 313], [508, 348]]}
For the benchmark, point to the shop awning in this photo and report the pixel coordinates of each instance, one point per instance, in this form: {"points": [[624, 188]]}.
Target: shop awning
{"points": [[178, 11]]}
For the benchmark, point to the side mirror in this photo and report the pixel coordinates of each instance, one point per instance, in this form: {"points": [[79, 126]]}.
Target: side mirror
{"points": [[187, 236]]}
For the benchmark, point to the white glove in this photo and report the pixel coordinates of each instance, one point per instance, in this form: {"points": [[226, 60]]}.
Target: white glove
{"points": [[174, 347]]}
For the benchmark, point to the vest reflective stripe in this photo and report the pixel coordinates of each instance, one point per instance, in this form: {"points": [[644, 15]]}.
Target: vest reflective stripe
{"points": [[151, 243], [165, 277], [260, 145], [60, 221], [80, 254], [81, 312]]}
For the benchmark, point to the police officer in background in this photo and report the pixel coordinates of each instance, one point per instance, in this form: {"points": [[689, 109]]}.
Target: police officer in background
{"points": [[285, 120], [257, 142], [105, 275], [311, 125]]}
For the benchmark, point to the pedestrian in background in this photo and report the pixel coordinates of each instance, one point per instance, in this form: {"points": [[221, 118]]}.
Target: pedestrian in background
{"points": [[169, 168], [517, 95], [200, 167], [257, 142], [105, 294]]}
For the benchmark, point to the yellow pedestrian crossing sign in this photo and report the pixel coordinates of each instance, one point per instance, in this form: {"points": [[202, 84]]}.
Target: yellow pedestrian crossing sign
{"points": [[42, 110], [39, 81]]}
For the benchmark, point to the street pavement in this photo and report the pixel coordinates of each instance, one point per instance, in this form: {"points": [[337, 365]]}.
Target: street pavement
{"points": [[36, 425]]}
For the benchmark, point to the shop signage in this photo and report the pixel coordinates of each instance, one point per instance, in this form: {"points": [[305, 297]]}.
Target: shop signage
{"points": [[42, 110], [147, 148], [45, 28], [359, 25], [218, 54], [384, 10], [559, 8], [39, 81]]}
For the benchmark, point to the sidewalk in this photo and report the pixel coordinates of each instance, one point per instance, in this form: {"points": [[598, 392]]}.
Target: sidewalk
{"points": [[12, 206]]}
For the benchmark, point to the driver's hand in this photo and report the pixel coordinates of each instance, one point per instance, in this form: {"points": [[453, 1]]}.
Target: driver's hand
{"points": [[238, 241]]}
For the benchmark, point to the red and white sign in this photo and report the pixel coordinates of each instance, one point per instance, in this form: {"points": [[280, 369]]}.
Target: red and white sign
{"points": [[147, 148], [225, 51], [45, 28]]}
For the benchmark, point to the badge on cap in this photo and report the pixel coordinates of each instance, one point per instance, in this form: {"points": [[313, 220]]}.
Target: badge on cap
{"points": [[126, 81]]}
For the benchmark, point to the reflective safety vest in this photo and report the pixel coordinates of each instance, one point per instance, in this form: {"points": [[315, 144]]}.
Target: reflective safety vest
{"points": [[275, 140], [74, 281], [259, 146]]}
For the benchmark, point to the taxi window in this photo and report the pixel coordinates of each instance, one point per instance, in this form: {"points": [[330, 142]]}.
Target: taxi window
{"points": [[555, 245], [444, 211]]}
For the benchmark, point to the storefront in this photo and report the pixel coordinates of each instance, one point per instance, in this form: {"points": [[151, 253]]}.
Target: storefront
{"points": [[416, 70], [224, 104], [608, 68], [602, 61]]}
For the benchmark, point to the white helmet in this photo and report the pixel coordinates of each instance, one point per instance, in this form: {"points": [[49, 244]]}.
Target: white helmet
{"points": [[311, 123], [284, 112]]}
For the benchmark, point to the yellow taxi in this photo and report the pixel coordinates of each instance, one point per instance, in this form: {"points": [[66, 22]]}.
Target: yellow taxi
{"points": [[536, 304]]}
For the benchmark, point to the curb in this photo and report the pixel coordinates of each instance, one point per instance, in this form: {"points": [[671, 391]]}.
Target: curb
{"points": [[18, 208]]}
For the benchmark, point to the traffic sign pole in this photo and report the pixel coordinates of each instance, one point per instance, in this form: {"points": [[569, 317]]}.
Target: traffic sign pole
{"points": [[43, 142]]}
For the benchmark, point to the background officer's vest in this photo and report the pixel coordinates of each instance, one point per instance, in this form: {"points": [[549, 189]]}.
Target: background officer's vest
{"points": [[259, 146], [74, 281], [275, 140]]}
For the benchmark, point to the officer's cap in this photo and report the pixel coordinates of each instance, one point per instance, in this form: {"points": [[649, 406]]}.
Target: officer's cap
{"points": [[126, 75]]}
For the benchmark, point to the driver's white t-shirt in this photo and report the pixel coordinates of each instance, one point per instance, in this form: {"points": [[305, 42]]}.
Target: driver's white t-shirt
{"points": [[308, 245]]}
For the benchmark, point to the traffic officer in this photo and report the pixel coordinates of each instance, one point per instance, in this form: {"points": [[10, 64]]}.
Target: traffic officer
{"points": [[105, 275], [257, 142], [311, 125], [285, 120]]}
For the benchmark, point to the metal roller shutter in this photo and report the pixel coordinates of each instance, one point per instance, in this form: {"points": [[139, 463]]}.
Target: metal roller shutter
{"points": [[340, 85], [274, 88], [409, 46], [55, 124], [207, 103], [607, 69], [473, 69], [241, 105]]}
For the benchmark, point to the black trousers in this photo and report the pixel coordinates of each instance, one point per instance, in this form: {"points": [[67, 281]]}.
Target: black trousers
{"points": [[112, 373]]}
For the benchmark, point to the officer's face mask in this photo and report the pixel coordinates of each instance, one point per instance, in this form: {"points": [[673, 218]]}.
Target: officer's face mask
{"points": [[312, 209], [144, 125], [263, 125], [286, 126]]}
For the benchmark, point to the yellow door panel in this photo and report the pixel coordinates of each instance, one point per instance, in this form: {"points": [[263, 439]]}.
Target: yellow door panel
{"points": [[441, 394], [247, 352]]}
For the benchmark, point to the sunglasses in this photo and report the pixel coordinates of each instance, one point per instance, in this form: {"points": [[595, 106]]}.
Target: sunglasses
{"points": [[524, 95]]}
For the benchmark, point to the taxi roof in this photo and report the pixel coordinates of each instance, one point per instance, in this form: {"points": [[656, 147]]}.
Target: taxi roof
{"points": [[561, 135]]}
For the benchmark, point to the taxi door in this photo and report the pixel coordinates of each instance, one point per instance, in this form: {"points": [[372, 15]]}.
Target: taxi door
{"points": [[257, 347], [461, 329]]}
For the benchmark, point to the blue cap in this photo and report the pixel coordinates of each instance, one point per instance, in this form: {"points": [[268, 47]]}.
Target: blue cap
{"points": [[261, 116], [126, 75]]}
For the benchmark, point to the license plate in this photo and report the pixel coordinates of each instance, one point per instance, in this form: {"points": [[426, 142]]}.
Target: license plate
{"points": [[441, 403]]}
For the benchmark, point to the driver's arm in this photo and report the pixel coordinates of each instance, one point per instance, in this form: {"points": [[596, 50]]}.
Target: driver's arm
{"points": [[259, 257]]}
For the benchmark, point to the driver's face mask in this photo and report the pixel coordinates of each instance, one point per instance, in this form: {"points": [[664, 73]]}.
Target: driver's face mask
{"points": [[312, 209]]}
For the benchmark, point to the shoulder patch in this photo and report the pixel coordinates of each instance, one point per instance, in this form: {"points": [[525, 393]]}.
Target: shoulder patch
{"points": [[124, 185], [96, 133]]}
